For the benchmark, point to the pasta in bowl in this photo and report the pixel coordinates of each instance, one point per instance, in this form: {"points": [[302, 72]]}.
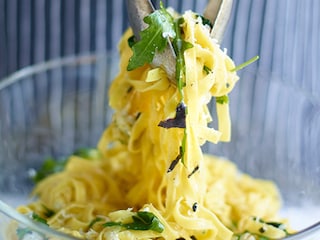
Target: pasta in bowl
{"points": [[147, 177]]}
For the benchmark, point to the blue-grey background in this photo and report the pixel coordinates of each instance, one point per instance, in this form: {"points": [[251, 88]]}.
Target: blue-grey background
{"points": [[285, 33]]}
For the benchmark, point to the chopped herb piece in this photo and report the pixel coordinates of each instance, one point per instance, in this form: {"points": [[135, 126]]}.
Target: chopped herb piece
{"points": [[49, 166], [205, 21], [88, 153], [195, 207], [262, 230], [207, 69], [280, 226], [138, 115], [130, 89], [193, 237], [37, 218], [183, 145], [179, 121], [248, 235], [94, 221], [48, 212], [258, 219], [153, 39], [276, 224], [243, 65], [262, 238], [174, 162], [180, 46], [194, 171], [223, 99], [141, 221]]}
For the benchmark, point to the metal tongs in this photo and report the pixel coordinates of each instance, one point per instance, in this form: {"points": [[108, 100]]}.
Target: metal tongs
{"points": [[217, 11]]}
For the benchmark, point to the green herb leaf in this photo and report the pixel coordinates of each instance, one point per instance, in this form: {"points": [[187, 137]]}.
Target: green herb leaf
{"points": [[205, 21], [278, 225], [183, 145], [207, 69], [248, 235], [49, 166], [48, 212], [246, 63], [88, 153], [94, 221], [223, 99], [153, 39], [37, 218], [143, 220], [180, 46], [112, 224], [262, 238]]}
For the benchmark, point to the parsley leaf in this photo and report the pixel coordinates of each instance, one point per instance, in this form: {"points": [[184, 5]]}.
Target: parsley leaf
{"points": [[205, 21], [222, 99], [48, 212], [153, 39], [88, 153], [143, 220], [37, 218], [94, 221], [248, 235], [207, 69], [49, 166]]}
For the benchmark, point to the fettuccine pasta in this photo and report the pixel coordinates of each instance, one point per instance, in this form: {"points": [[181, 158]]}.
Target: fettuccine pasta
{"points": [[141, 169]]}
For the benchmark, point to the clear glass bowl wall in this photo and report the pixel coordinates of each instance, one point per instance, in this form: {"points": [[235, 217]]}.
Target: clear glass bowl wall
{"points": [[54, 108]]}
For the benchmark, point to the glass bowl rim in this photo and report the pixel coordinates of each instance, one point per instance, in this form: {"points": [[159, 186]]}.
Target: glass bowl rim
{"points": [[81, 59]]}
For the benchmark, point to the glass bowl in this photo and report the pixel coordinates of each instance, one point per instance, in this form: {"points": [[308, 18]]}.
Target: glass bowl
{"points": [[56, 107]]}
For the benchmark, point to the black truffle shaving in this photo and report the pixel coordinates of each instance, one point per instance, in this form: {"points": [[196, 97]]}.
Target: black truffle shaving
{"points": [[179, 121]]}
